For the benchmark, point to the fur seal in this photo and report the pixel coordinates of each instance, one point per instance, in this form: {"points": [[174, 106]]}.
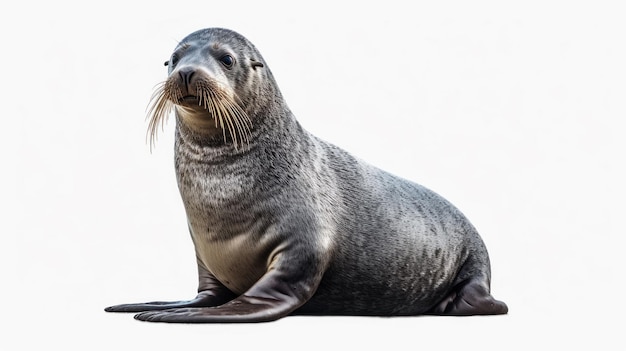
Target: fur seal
{"points": [[285, 223]]}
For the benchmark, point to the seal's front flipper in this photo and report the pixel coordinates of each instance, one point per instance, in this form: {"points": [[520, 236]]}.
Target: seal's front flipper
{"points": [[150, 306], [278, 293], [204, 299], [471, 298], [210, 293], [241, 310]]}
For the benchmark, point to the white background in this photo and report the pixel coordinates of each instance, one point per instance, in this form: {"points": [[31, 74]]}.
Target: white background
{"points": [[514, 112]]}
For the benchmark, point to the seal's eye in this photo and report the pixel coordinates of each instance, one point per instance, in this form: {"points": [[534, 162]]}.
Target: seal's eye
{"points": [[227, 61], [173, 60]]}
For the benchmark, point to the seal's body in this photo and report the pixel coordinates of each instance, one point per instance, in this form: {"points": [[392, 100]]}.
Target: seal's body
{"points": [[283, 222]]}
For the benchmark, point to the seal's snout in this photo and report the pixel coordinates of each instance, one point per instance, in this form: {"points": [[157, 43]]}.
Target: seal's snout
{"points": [[203, 103], [186, 74]]}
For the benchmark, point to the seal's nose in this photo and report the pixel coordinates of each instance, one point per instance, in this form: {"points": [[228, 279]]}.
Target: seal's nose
{"points": [[186, 74]]}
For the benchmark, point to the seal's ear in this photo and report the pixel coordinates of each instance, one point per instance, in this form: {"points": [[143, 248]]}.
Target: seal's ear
{"points": [[254, 63], [166, 63]]}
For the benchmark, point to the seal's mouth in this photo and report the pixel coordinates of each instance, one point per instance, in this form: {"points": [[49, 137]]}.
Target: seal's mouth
{"points": [[189, 100], [193, 102]]}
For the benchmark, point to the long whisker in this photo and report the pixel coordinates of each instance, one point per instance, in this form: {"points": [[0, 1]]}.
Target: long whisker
{"points": [[243, 119], [242, 129], [240, 123], [229, 122], [219, 113], [236, 122], [159, 109]]}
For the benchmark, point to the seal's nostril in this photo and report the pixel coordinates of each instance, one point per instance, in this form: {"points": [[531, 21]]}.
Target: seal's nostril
{"points": [[186, 73]]}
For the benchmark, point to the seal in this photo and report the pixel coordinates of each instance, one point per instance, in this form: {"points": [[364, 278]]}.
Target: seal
{"points": [[285, 223]]}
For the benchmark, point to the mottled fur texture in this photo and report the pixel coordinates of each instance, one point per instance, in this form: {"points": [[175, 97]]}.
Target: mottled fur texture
{"points": [[286, 223]]}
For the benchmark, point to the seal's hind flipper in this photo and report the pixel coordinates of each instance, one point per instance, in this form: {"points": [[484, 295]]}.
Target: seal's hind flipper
{"points": [[467, 299]]}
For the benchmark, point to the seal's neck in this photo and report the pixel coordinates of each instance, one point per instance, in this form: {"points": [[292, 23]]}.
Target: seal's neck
{"points": [[202, 138]]}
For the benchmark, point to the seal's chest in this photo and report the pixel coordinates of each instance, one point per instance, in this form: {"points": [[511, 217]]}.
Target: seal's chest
{"points": [[210, 188], [219, 203], [237, 262]]}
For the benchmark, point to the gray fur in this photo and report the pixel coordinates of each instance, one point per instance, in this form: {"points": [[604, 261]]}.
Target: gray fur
{"points": [[294, 219]]}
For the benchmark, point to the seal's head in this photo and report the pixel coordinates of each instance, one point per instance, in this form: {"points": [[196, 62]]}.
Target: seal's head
{"points": [[217, 84]]}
